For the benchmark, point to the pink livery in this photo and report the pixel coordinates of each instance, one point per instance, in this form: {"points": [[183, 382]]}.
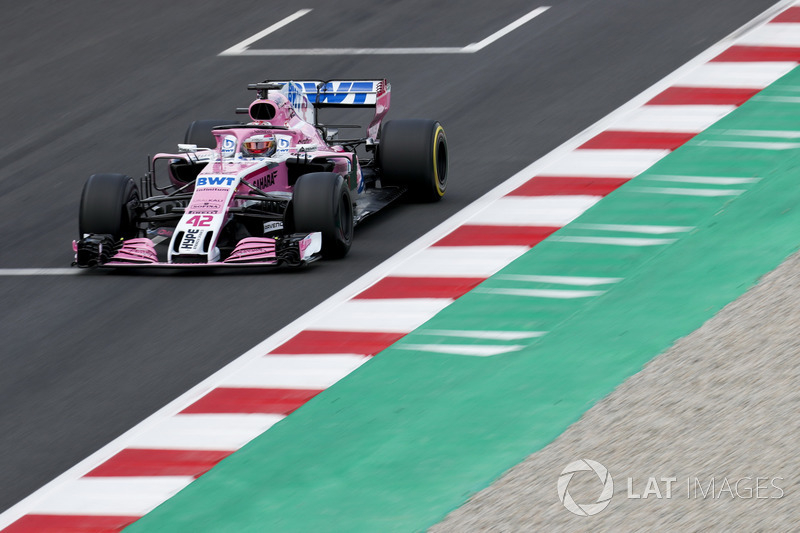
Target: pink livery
{"points": [[281, 189]]}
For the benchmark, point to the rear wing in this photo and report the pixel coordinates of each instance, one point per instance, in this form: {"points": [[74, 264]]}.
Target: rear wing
{"points": [[332, 93]]}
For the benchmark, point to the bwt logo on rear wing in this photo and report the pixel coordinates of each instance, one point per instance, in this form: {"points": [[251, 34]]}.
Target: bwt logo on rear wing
{"points": [[342, 92], [332, 93]]}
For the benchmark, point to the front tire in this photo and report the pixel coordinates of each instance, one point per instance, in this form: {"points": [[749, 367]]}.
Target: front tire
{"points": [[321, 202], [413, 153], [109, 205]]}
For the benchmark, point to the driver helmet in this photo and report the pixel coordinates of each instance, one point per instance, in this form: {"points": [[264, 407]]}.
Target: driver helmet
{"points": [[259, 146]]}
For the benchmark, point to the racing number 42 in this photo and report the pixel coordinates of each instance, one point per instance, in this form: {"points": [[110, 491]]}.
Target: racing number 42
{"points": [[200, 220]]}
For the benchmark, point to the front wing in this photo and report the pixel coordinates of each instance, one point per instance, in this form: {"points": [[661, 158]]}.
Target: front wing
{"points": [[100, 250]]}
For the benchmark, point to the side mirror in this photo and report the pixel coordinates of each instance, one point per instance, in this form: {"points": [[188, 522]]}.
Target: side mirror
{"points": [[331, 134]]}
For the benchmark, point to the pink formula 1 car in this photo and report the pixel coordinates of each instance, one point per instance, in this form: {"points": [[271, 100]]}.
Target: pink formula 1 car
{"points": [[282, 189]]}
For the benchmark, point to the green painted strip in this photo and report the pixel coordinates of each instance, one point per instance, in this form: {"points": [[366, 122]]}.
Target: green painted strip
{"points": [[410, 435]]}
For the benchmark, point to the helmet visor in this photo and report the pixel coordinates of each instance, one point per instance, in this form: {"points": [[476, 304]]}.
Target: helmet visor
{"points": [[264, 146]]}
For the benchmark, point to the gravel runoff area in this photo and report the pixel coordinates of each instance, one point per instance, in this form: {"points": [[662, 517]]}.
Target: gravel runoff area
{"points": [[721, 405]]}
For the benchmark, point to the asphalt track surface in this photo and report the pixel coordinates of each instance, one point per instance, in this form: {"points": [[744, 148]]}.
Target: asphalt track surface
{"points": [[89, 87]]}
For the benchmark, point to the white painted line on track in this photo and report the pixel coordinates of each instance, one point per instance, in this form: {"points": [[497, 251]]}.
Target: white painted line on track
{"points": [[673, 118], [41, 271], [703, 180], [748, 145], [557, 294], [312, 371], [475, 350], [635, 228], [535, 210], [241, 49], [579, 281], [756, 75], [778, 99], [238, 48], [399, 315], [474, 47], [204, 431], [349, 51], [614, 241], [785, 34], [128, 496], [688, 192], [603, 163], [458, 261], [483, 334], [127, 439], [778, 134]]}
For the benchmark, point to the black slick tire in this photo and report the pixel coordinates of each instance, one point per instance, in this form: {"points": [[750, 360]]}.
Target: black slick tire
{"points": [[413, 153], [109, 203], [321, 202]]}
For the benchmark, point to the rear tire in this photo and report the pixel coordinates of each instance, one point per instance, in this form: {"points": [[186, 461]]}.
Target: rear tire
{"points": [[413, 153], [199, 132], [321, 202], [109, 204]]}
